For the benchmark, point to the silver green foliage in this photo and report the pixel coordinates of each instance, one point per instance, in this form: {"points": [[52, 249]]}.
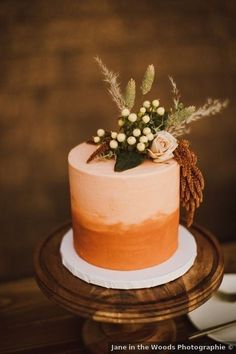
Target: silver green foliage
{"points": [[176, 122], [130, 92], [148, 79]]}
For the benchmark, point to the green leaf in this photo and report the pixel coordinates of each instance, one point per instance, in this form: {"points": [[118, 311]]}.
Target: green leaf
{"points": [[128, 159], [160, 121]]}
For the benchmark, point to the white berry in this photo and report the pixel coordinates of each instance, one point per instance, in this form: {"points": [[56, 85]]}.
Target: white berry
{"points": [[140, 146], [113, 135], [125, 112], [143, 139], [150, 137], [155, 103], [146, 119], [120, 122], [131, 140], [146, 104], [146, 131], [113, 144], [121, 137], [132, 117], [142, 110], [100, 132], [161, 111], [96, 139], [136, 132]]}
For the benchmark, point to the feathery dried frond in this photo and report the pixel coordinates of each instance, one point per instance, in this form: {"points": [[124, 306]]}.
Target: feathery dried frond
{"points": [[175, 92], [179, 120], [148, 79], [129, 96], [211, 107], [180, 117], [112, 79]]}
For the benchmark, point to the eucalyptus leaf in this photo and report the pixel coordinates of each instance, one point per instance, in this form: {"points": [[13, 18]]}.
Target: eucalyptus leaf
{"points": [[128, 159]]}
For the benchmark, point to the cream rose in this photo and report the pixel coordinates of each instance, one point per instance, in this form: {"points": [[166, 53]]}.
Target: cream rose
{"points": [[162, 146]]}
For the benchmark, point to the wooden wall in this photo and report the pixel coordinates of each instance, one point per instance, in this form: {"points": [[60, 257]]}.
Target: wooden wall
{"points": [[52, 98]]}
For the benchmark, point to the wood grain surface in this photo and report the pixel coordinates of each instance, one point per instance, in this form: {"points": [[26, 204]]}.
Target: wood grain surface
{"points": [[31, 323], [130, 306]]}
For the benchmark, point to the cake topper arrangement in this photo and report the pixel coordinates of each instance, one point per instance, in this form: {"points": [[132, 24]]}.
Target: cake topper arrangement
{"points": [[153, 133]]}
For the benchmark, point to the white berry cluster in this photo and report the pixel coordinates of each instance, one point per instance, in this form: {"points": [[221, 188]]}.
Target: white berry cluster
{"points": [[136, 131], [100, 134], [152, 107]]}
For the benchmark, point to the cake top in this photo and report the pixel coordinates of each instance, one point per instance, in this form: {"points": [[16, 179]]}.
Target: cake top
{"points": [[105, 167], [150, 134]]}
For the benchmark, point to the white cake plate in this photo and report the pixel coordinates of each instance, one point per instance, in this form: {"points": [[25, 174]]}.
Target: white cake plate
{"points": [[173, 268]]}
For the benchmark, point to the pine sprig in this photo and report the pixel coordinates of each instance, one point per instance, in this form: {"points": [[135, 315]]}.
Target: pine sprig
{"points": [[148, 79], [130, 92], [112, 79]]}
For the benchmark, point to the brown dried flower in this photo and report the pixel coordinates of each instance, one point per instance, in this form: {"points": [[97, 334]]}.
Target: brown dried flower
{"points": [[103, 148], [191, 180]]}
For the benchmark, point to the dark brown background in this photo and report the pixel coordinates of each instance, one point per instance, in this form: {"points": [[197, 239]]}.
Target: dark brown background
{"points": [[52, 98]]}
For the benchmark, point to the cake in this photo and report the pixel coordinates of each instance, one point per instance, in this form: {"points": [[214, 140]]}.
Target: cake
{"points": [[126, 186], [117, 222]]}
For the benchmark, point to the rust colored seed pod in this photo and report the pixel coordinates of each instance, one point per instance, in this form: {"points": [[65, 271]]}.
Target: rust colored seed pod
{"points": [[191, 180]]}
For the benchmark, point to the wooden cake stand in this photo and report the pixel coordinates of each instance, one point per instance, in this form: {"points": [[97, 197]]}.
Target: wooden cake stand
{"points": [[140, 315]]}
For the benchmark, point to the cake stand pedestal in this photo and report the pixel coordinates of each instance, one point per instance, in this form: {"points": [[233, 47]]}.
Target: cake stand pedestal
{"points": [[129, 316]]}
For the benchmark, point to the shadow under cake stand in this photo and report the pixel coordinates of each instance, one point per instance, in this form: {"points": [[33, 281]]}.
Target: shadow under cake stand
{"points": [[136, 315]]}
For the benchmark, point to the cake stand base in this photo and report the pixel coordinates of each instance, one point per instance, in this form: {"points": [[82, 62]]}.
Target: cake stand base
{"points": [[133, 315], [99, 337]]}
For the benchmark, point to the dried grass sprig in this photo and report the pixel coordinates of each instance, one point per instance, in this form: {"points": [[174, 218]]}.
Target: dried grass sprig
{"points": [[175, 92], [102, 149], [112, 79], [191, 180], [180, 118], [148, 79], [130, 92], [211, 107]]}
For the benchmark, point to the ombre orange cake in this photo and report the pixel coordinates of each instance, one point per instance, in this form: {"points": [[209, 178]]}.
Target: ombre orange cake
{"points": [[117, 223], [126, 185]]}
